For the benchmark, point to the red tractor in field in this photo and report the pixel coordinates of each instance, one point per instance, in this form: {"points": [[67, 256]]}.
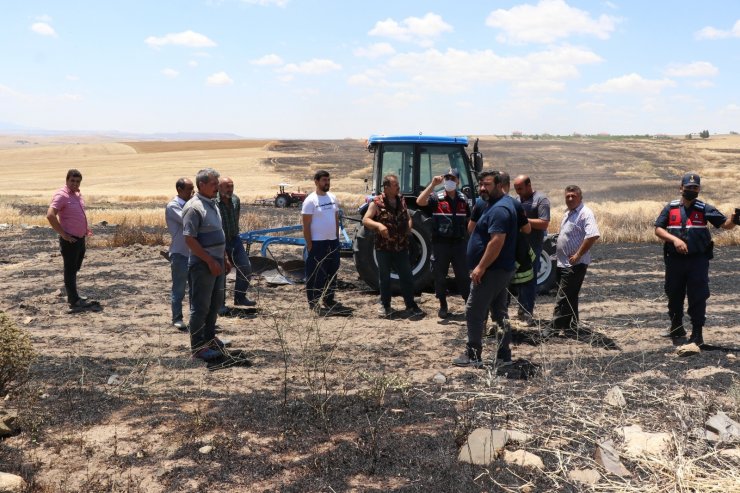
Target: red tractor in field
{"points": [[288, 199]]}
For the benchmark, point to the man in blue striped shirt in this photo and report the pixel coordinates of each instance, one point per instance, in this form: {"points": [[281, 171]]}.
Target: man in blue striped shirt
{"points": [[578, 233]]}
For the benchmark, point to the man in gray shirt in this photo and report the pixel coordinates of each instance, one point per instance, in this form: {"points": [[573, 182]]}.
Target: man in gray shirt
{"points": [[207, 265], [537, 208], [179, 251]]}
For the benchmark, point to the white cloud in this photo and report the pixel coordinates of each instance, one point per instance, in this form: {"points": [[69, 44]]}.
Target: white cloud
{"points": [[372, 78], [590, 106], [710, 32], [547, 22], [43, 29], [694, 69], [72, 97], [703, 84], [170, 72], [449, 71], [312, 67], [186, 38], [192, 64], [270, 59], [730, 109], [631, 83], [267, 3], [419, 30], [219, 79], [376, 50], [72, 78]]}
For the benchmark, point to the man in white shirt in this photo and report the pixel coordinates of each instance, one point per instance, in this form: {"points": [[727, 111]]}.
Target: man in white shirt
{"points": [[320, 214], [578, 233], [179, 251]]}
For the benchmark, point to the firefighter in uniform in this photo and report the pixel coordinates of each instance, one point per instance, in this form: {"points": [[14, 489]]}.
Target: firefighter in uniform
{"points": [[683, 226], [450, 212]]}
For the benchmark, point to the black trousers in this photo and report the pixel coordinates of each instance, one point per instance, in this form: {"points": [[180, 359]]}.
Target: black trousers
{"points": [[687, 276], [444, 254], [570, 280], [72, 253]]}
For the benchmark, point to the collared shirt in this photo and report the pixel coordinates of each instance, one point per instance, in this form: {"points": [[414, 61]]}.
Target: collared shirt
{"points": [[690, 224], [202, 221], [396, 219], [537, 207], [173, 217], [450, 216], [70, 207], [577, 225], [499, 217], [230, 211]]}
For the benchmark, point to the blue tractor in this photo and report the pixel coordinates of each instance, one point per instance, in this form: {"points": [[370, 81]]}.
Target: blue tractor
{"points": [[415, 159]]}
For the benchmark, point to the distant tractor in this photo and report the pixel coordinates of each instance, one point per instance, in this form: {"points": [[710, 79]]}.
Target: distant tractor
{"points": [[288, 199], [415, 160]]}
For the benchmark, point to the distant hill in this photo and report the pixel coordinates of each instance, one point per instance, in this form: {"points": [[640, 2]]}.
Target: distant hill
{"points": [[9, 128]]}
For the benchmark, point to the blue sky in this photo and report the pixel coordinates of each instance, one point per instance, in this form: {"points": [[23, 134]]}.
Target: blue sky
{"points": [[336, 69]]}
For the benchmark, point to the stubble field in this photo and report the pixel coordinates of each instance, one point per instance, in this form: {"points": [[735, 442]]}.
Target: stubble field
{"points": [[357, 404]]}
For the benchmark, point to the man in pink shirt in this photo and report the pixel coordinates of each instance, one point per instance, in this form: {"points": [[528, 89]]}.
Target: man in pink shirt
{"points": [[67, 217]]}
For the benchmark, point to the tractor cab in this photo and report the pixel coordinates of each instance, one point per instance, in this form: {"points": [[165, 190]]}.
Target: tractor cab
{"points": [[416, 159]]}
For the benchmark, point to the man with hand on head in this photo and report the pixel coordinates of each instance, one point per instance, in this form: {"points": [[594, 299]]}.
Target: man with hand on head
{"points": [[450, 212], [683, 226], [179, 251], [229, 206]]}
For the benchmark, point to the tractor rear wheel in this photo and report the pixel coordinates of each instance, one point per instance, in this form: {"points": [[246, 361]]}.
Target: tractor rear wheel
{"points": [[420, 254], [282, 201], [548, 265]]}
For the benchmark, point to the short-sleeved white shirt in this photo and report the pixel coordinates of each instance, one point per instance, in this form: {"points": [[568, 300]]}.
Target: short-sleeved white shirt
{"points": [[324, 210]]}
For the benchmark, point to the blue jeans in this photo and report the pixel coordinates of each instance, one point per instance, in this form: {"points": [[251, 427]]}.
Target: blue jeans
{"points": [[179, 269], [528, 291], [240, 260], [206, 297], [481, 301], [401, 263], [322, 265]]}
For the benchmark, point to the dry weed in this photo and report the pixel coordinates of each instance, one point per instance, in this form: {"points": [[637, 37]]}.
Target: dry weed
{"points": [[16, 354]]}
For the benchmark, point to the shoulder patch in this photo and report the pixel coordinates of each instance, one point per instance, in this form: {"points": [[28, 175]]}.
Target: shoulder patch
{"points": [[699, 204], [675, 203], [441, 195]]}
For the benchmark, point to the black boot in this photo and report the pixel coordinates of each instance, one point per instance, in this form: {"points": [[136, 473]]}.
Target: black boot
{"points": [[696, 336], [676, 331], [443, 311]]}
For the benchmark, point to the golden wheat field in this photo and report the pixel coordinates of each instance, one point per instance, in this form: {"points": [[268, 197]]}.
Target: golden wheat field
{"points": [[625, 181]]}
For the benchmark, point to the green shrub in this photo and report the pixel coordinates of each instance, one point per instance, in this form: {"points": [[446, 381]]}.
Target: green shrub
{"points": [[16, 354]]}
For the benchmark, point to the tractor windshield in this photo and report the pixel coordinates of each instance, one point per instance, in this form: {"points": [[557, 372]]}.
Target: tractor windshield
{"points": [[437, 160], [414, 171]]}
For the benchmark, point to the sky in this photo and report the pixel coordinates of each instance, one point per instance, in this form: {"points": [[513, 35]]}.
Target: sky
{"points": [[351, 68]]}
